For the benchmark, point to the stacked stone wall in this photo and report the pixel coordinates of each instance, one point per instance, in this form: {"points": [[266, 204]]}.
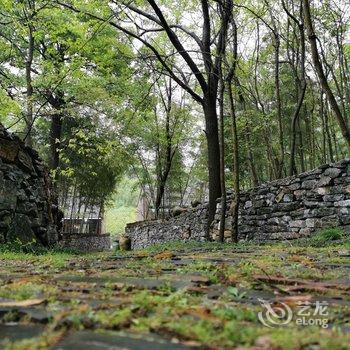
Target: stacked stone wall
{"points": [[86, 243], [288, 208], [25, 190]]}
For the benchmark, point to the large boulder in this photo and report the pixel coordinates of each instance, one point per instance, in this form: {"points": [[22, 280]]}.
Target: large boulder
{"points": [[25, 194]]}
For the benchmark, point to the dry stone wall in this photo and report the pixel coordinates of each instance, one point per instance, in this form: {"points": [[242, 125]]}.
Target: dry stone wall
{"points": [[86, 243], [190, 225], [25, 205], [283, 209]]}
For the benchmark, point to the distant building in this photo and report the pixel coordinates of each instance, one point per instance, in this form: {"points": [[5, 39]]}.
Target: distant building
{"points": [[146, 210], [82, 218]]}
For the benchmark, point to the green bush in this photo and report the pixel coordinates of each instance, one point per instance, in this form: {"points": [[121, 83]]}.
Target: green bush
{"points": [[327, 236], [17, 246]]}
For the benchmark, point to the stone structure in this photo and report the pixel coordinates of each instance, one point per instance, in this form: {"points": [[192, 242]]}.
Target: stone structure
{"points": [[283, 209], [86, 242], [189, 225], [25, 205]]}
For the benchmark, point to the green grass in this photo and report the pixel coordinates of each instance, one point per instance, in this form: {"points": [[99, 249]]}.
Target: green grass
{"points": [[27, 290], [332, 236], [194, 245], [327, 237], [53, 258], [186, 314], [123, 207], [117, 218]]}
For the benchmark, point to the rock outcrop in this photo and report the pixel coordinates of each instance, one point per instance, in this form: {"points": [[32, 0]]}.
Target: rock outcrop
{"points": [[25, 194]]}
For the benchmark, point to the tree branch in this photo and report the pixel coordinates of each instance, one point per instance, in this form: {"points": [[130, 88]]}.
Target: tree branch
{"points": [[195, 96], [178, 46]]}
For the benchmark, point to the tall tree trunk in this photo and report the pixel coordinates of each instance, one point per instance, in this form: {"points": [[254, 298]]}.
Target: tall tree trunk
{"points": [[55, 139], [30, 90], [210, 94], [329, 138], [301, 147], [58, 103], [260, 107], [344, 128], [235, 201], [279, 105], [162, 182], [222, 161], [301, 89], [212, 136], [247, 130], [254, 173], [324, 148], [232, 77], [164, 171], [292, 167], [277, 46]]}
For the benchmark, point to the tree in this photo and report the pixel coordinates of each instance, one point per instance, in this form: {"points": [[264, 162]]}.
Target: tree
{"points": [[232, 77], [208, 80], [161, 129], [301, 88], [154, 75], [320, 73]]}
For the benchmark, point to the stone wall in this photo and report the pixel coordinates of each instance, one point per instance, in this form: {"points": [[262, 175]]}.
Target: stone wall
{"points": [[86, 242], [283, 209], [188, 226], [25, 206]]}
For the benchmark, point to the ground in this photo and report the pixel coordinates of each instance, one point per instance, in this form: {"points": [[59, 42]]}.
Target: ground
{"points": [[181, 296]]}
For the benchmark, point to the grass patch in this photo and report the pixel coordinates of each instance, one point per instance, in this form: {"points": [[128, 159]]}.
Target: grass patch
{"points": [[328, 236], [122, 209], [24, 290], [188, 246], [117, 218], [71, 283]]}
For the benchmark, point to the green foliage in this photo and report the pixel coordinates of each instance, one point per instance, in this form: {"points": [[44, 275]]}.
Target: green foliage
{"points": [[234, 292], [111, 95], [327, 237], [122, 208], [19, 247], [121, 306], [81, 72], [22, 291], [92, 161], [126, 194], [117, 218]]}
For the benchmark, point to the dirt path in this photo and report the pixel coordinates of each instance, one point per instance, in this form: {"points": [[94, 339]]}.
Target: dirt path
{"points": [[198, 296]]}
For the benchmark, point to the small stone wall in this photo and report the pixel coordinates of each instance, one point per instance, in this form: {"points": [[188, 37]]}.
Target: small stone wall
{"points": [[25, 204], [187, 226], [86, 243], [283, 209]]}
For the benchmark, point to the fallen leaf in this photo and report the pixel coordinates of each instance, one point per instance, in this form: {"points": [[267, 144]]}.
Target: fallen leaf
{"points": [[295, 299], [302, 259], [300, 282], [164, 255], [22, 303], [142, 255], [200, 280], [202, 313]]}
